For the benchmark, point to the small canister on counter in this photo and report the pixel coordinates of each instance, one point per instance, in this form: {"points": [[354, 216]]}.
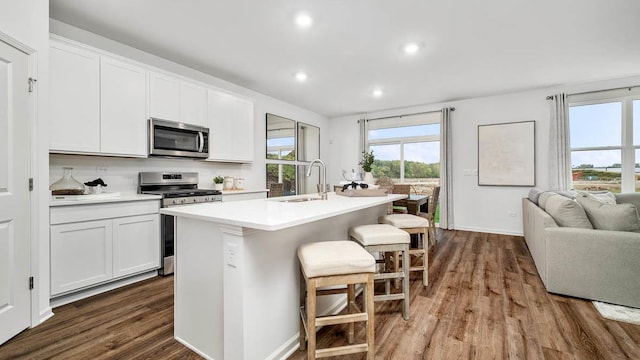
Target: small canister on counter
{"points": [[238, 183], [228, 182]]}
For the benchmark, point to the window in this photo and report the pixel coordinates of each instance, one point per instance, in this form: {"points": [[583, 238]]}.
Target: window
{"points": [[407, 149], [604, 138]]}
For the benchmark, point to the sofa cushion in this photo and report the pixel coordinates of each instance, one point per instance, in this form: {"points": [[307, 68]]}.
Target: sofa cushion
{"points": [[628, 198], [534, 194], [619, 217], [566, 212], [606, 197]]}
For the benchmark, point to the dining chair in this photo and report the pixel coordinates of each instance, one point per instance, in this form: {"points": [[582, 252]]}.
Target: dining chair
{"points": [[276, 189], [401, 189]]}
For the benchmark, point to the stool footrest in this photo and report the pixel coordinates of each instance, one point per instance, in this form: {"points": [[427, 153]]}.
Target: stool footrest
{"points": [[391, 275], [323, 292], [416, 268], [341, 319], [387, 297], [342, 350]]}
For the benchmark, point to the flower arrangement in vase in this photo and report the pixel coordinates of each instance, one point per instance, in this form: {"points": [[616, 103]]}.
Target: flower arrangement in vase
{"points": [[218, 182], [367, 163]]}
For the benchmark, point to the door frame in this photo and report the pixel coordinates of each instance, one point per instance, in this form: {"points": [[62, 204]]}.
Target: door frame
{"points": [[34, 260]]}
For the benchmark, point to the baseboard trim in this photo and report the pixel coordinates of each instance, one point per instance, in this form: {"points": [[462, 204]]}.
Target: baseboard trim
{"points": [[490, 231], [83, 294], [192, 348]]}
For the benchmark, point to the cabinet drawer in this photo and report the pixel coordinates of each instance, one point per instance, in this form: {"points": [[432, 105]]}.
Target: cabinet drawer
{"points": [[77, 213]]}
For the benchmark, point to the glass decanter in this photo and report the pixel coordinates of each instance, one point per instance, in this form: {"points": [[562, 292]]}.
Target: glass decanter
{"points": [[67, 185]]}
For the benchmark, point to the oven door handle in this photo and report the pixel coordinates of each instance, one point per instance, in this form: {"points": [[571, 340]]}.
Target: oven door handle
{"points": [[201, 141]]}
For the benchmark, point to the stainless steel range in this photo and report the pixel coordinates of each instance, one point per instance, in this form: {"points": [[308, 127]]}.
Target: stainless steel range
{"points": [[176, 189]]}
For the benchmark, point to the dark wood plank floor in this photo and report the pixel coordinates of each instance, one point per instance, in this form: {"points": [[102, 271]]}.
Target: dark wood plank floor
{"points": [[485, 301]]}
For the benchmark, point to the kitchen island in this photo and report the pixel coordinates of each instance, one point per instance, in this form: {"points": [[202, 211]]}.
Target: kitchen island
{"points": [[236, 278]]}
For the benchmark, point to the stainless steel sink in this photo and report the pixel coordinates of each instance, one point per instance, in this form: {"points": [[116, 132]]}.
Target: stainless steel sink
{"points": [[300, 199]]}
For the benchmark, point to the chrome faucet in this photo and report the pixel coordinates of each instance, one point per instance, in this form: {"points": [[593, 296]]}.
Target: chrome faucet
{"points": [[322, 191]]}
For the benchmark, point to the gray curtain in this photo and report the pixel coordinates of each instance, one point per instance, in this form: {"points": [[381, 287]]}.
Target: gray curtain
{"points": [[362, 123], [446, 171], [559, 150]]}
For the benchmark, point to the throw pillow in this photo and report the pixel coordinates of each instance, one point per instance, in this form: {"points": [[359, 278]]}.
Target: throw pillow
{"points": [[619, 217], [567, 212], [605, 197]]}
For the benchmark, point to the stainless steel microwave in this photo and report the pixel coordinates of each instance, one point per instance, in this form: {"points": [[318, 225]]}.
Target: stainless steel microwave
{"points": [[175, 139]]}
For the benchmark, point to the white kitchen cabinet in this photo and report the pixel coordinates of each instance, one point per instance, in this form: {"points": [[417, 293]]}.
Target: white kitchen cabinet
{"points": [[81, 255], [164, 97], [123, 108], [74, 112], [231, 122], [94, 244], [193, 104], [135, 244]]}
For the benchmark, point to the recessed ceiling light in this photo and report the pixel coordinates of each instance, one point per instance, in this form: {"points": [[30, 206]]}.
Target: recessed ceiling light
{"points": [[304, 20], [301, 76], [411, 48], [377, 92]]}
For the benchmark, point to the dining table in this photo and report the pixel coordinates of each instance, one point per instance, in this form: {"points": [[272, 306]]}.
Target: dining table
{"points": [[415, 204]]}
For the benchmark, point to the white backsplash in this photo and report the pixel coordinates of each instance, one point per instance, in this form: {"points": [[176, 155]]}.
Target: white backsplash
{"points": [[121, 174]]}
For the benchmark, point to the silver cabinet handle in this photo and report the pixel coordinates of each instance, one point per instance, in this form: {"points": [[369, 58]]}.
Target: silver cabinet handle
{"points": [[201, 137]]}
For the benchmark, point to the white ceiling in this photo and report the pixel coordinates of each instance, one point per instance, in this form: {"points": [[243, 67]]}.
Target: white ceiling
{"points": [[469, 48]]}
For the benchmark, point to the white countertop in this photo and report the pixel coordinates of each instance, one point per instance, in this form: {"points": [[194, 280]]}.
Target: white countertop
{"points": [[244, 191], [98, 199], [271, 214]]}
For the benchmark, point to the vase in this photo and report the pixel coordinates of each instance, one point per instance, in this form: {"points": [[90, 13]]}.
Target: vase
{"points": [[67, 185], [218, 186], [368, 178]]}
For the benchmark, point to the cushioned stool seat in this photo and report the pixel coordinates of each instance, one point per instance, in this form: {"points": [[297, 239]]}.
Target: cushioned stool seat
{"points": [[386, 239], [330, 264], [412, 224], [340, 258]]}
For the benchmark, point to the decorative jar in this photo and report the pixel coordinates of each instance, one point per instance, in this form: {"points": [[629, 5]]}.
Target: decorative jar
{"points": [[67, 185]]}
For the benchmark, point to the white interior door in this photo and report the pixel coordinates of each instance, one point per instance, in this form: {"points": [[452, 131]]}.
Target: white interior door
{"points": [[15, 240]]}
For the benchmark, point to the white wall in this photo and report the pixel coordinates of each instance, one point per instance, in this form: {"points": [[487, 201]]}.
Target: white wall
{"points": [[477, 208], [27, 22], [122, 171]]}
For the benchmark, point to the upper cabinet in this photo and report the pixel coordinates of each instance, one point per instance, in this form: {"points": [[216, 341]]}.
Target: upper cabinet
{"points": [[230, 128], [193, 104], [122, 108], [75, 99], [175, 100], [98, 103], [101, 103], [164, 97]]}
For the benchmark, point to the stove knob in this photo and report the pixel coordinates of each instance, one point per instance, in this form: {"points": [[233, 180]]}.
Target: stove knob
{"points": [[175, 201], [195, 200], [182, 201]]}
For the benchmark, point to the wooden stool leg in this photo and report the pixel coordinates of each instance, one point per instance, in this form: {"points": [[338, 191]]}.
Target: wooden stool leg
{"points": [[368, 295], [396, 266], [303, 297], [351, 298], [405, 282], [425, 263], [311, 319], [388, 261]]}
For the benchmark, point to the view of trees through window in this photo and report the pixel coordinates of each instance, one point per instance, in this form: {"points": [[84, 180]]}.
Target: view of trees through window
{"points": [[408, 154]]}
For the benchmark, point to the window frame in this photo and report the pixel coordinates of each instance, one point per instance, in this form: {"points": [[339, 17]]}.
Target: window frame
{"points": [[627, 148]]}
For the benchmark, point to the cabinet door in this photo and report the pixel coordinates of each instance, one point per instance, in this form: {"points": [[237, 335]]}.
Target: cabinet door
{"points": [[81, 255], [220, 114], [163, 97], [136, 244], [193, 104], [243, 137], [74, 110], [123, 108]]}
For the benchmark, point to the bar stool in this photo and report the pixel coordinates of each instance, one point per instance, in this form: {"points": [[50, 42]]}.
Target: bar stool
{"points": [[386, 238], [332, 263], [412, 224]]}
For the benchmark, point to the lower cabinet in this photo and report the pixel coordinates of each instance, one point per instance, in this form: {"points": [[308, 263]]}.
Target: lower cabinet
{"points": [[90, 251]]}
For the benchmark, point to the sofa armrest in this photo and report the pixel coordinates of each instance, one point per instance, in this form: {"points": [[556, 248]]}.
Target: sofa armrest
{"points": [[594, 264]]}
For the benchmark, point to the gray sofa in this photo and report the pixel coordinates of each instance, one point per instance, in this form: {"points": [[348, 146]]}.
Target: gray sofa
{"points": [[584, 262]]}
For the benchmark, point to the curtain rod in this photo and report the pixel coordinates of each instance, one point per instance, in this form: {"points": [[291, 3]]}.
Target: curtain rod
{"points": [[420, 113], [550, 97]]}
